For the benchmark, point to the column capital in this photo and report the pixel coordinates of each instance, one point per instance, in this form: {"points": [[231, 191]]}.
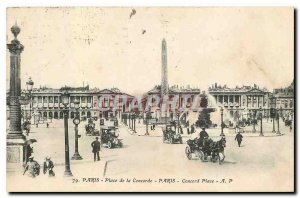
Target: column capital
{"points": [[15, 47]]}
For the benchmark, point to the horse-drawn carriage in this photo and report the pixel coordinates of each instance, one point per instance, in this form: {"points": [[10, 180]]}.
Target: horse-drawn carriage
{"points": [[90, 129], [109, 136], [206, 148], [170, 135]]}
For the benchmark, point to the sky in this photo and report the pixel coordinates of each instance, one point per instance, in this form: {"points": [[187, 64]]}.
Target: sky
{"points": [[121, 47]]}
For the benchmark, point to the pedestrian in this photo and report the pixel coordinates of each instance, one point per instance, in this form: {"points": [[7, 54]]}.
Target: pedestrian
{"points": [[192, 129], [32, 167], [239, 138], [96, 148], [47, 125], [291, 127], [37, 125], [153, 127], [48, 166]]}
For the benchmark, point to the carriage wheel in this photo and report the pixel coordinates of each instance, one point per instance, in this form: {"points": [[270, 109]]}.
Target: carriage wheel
{"points": [[180, 140], [120, 144], [109, 144], [188, 153], [171, 140]]}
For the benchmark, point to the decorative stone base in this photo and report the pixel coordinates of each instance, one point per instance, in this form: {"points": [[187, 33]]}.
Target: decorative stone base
{"points": [[15, 154]]}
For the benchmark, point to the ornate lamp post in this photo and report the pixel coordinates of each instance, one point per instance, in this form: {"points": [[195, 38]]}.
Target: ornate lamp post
{"points": [[129, 124], [277, 117], [253, 121], [178, 114], [29, 86], [134, 120], [273, 111], [261, 116], [222, 123], [65, 101], [148, 114], [76, 122]]}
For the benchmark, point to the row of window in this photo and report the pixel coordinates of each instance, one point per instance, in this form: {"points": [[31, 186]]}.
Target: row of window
{"points": [[55, 99]]}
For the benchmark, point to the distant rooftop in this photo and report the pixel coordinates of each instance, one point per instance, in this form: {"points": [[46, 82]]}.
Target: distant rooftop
{"points": [[175, 88], [223, 88]]}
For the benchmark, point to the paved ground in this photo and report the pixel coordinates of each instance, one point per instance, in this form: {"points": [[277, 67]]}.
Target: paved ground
{"points": [[261, 163]]}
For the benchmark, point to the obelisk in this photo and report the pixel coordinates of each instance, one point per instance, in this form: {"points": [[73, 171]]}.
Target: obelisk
{"points": [[164, 79]]}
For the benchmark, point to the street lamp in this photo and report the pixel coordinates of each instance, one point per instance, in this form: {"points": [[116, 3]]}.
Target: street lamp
{"points": [[65, 101], [178, 114], [273, 110], [261, 128], [277, 117], [134, 119], [129, 124], [253, 120], [148, 114], [29, 85], [222, 123], [76, 122]]}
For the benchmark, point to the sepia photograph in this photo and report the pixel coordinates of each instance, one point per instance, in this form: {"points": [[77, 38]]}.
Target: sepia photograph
{"points": [[150, 99]]}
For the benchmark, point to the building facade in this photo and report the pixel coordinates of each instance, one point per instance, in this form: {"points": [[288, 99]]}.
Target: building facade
{"points": [[285, 100], [46, 102], [186, 98], [240, 102]]}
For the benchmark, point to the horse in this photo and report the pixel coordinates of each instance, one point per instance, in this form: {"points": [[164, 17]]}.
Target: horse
{"points": [[219, 149], [213, 149]]}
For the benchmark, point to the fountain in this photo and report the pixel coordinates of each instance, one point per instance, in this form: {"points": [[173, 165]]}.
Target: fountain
{"points": [[215, 116], [204, 119]]}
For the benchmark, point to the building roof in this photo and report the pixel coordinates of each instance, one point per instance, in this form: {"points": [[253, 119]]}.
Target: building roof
{"points": [[174, 89], [242, 89]]}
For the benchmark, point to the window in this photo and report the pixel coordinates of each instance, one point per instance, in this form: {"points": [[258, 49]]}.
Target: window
{"points": [[89, 99], [45, 98]]}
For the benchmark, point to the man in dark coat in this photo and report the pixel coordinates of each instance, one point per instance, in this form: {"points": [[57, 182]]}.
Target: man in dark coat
{"points": [[96, 148], [203, 134], [239, 138], [192, 129]]}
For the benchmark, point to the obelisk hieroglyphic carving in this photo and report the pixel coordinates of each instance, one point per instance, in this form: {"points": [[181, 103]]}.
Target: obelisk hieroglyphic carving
{"points": [[164, 78]]}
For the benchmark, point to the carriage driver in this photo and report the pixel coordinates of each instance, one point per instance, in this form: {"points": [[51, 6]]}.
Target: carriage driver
{"points": [[203, 134]]}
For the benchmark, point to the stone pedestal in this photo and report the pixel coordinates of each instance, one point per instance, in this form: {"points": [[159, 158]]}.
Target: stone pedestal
{"points": [[15, 154]]}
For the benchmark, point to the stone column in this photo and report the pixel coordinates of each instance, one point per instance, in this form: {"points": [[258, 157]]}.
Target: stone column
{"points": [[15, 139], [223, 100], [15, 49]]}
